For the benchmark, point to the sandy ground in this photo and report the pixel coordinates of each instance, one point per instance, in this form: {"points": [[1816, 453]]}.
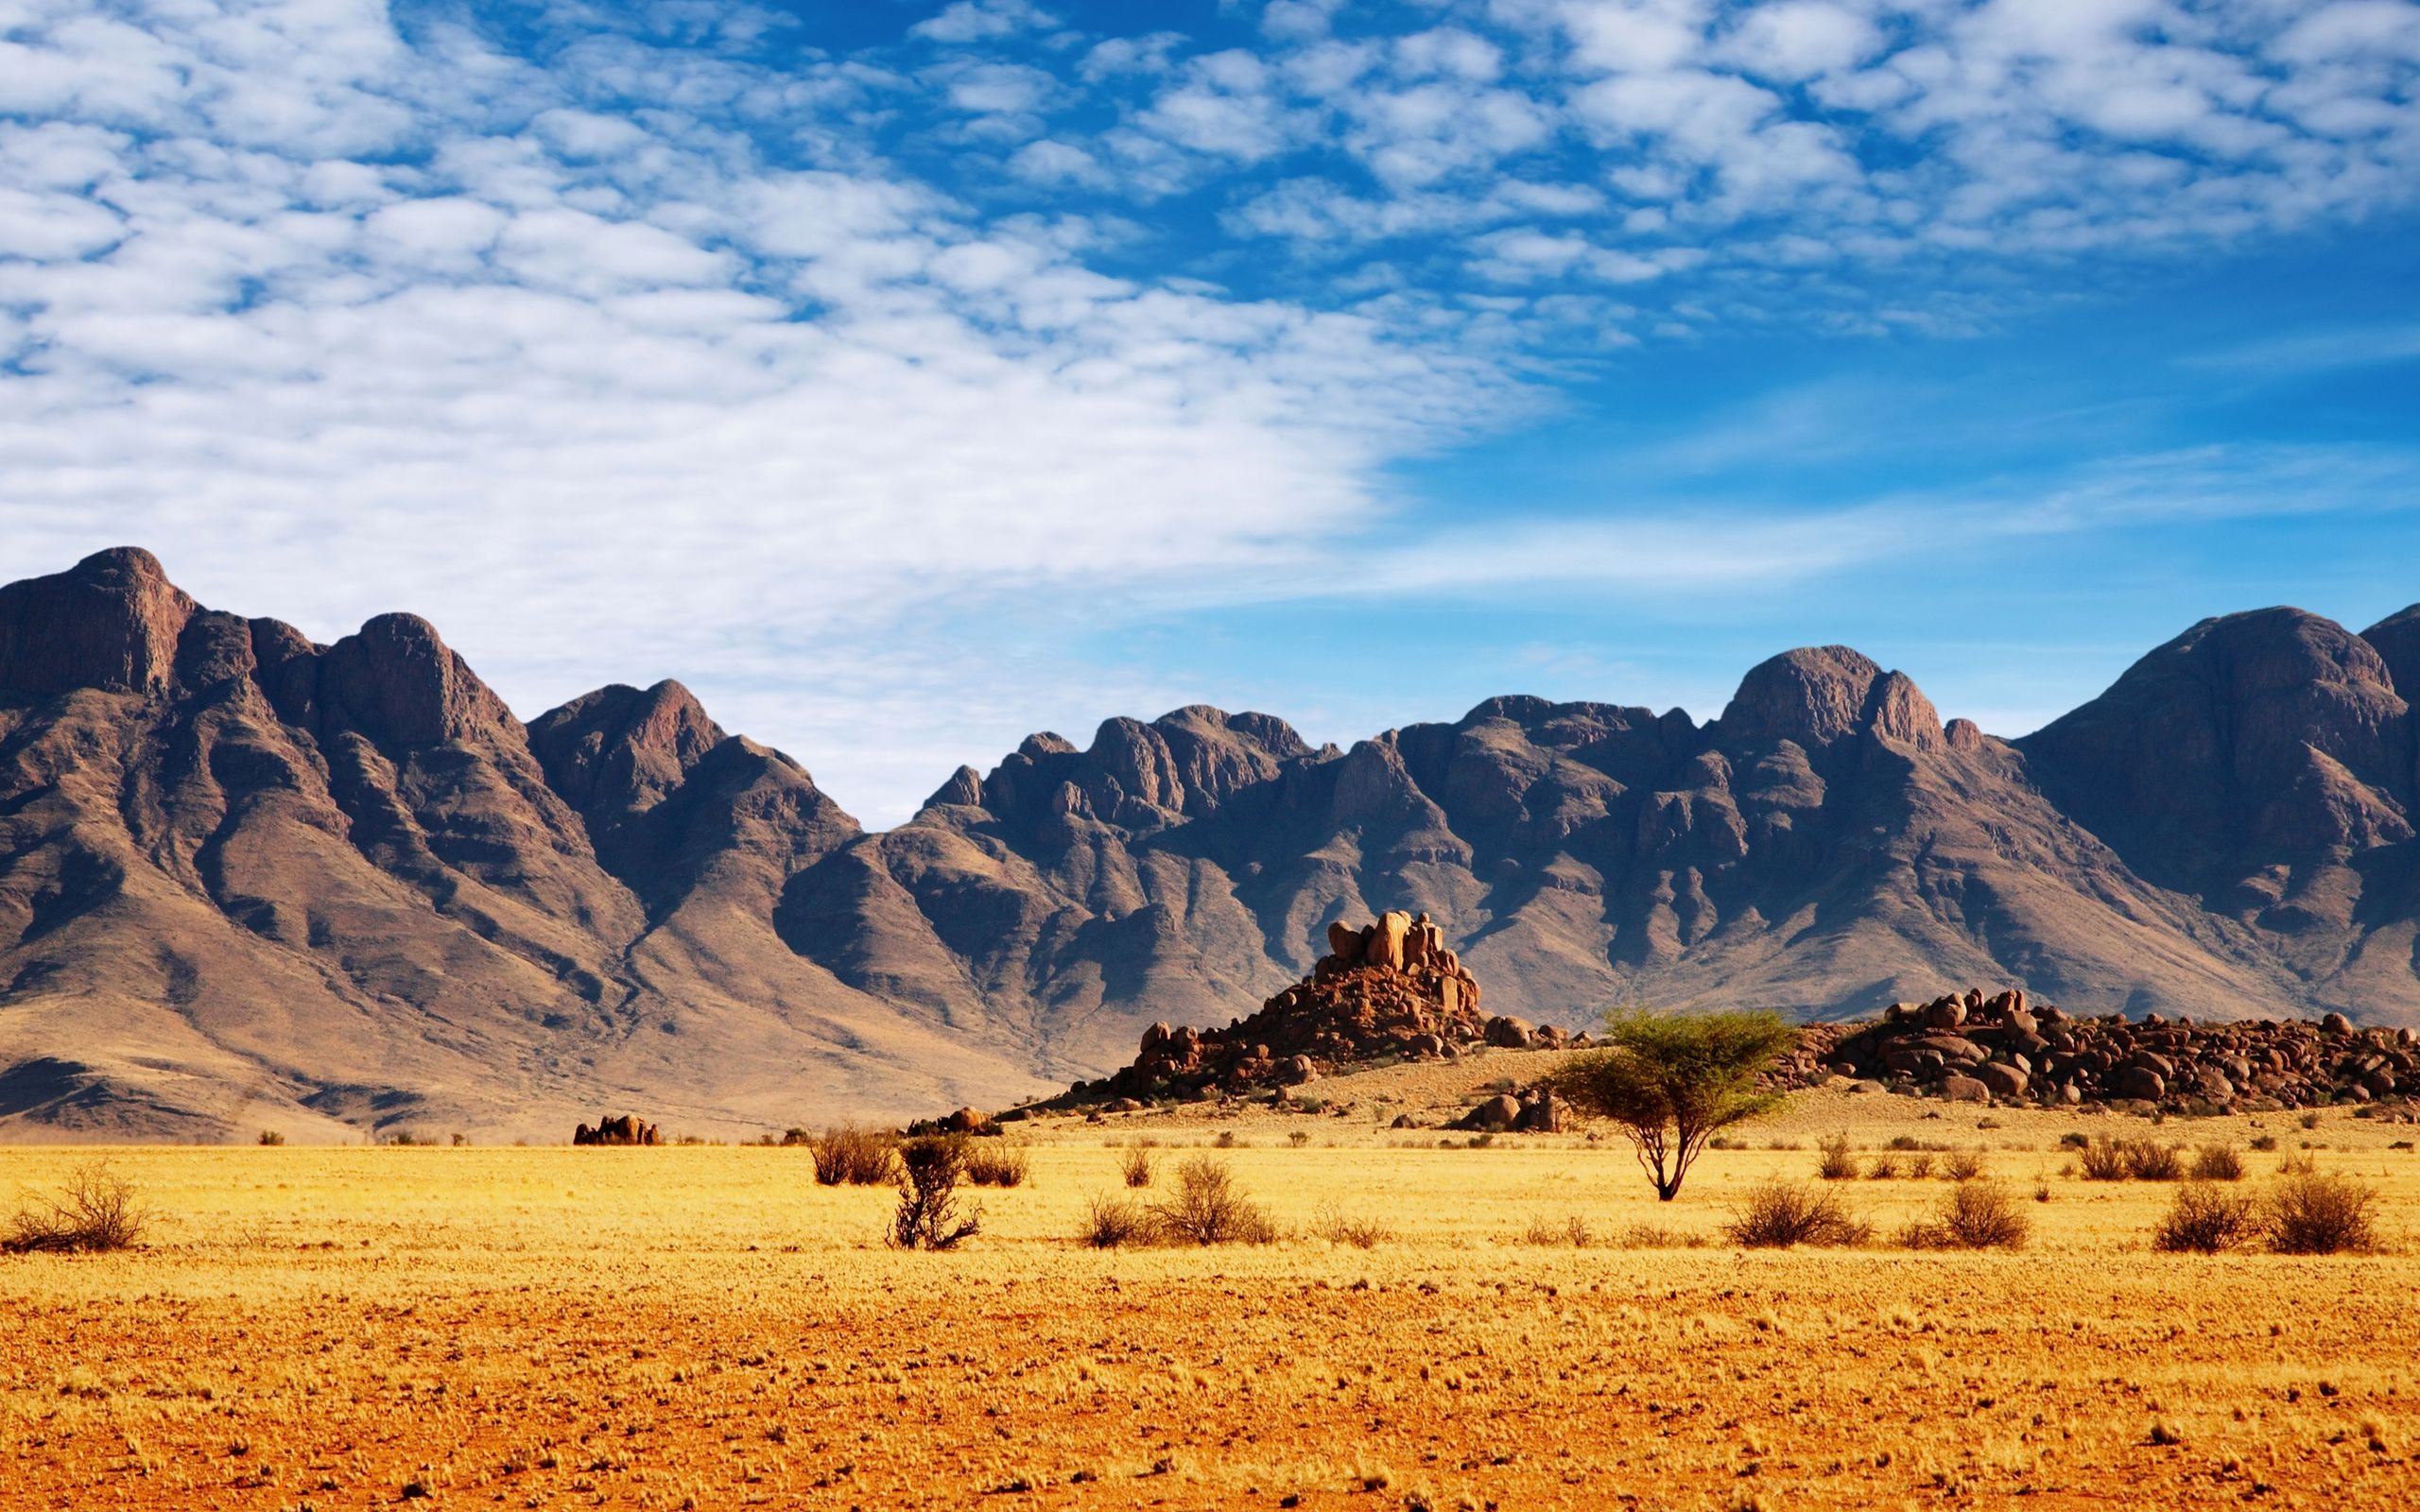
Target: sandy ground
{"points": [[703, 1326]]}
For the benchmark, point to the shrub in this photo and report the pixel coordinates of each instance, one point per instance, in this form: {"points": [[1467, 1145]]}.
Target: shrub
{"points": [[2105, 1160], [997, 1163], [1298, 1139], [2309, 1121], [1883, 1169], [1135, 1166], [2075, 1139], [846, 1154], [1546, 1233], [1226, 1139], [1208, 1208], [931, 1215], [2264, 1143], [2151, 1161], [2298, 1165], [1919, 1165], [2307, 1213], [1778, 1214], [1972, 1216], [2217, 1162], [2205, 1218], [1962, 1165], [271, 1137], [1833, 1162], [1111, 1222], [98, 1212], [1361, 1234]]}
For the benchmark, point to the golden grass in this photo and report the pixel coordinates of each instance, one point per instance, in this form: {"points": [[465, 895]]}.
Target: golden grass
{"points": [[707, 1327]]}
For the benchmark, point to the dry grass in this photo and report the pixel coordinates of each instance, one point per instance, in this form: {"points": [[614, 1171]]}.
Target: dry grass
{"points": [[523, 1328], [847, 1155]]}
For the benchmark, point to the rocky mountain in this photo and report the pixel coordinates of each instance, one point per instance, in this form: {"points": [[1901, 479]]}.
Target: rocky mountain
{"points": [[247, 880]]}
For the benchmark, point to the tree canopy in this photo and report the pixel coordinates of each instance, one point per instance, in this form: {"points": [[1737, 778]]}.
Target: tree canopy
{"points": [[1672, 1080]]}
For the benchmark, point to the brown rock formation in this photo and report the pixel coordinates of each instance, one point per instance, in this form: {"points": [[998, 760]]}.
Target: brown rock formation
{"points": [[1387, 989], [620, 1129], [2007, 1048]]}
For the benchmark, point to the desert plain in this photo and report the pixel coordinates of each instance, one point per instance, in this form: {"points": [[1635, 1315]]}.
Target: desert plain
{"points": [[705, 1327]]}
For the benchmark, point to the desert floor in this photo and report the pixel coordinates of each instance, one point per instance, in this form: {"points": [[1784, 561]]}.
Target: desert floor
{"points": [[705, 1327]]}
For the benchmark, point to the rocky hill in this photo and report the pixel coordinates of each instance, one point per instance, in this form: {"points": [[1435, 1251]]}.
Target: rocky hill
{"points": [[248, 880]]}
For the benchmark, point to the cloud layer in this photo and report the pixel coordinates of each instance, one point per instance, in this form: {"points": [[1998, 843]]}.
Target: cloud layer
{"points": [[852, 385]]}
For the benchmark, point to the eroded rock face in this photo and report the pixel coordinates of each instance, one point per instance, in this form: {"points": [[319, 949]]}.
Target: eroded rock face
{"points": [[110, 622]]}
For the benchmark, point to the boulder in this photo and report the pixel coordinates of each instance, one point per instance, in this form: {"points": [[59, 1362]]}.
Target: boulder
{"points": [[1964, 1090], [1386, 947], [2139, 1082], [1495, 1116], [2004, 1081], [1506, 1032]]}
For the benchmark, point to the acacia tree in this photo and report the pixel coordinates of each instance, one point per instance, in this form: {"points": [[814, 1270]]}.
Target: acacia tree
{"points": [[1672, 1080]]}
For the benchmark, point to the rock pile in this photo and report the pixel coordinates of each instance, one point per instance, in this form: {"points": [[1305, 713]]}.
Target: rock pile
{"points": [[1388, 988], [1535, 1110], [624, 1129], [1970, 1047]]}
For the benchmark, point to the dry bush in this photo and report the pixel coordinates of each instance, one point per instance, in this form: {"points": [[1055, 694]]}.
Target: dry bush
{"points": [[1972, 1216], [1833, 1162], [2151, 1161], [2217, 1162], [1361, 1234], [2264, 1141], [1883, 1169], [1136, 1166], [2203, 1219], [1919, 1165], [931, 1215], [1547, 1234], [2105, 1160], [271, 1138], [847, 1155], [2307, 1213], [1655, 1236], [1778, 1214], [1962, 1165], [997, 1163], [1209, 1209], [98, 1212], [1110, 1223], [2303, 1164]]}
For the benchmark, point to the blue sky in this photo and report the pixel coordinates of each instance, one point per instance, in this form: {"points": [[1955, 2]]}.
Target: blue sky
{"points": [[907, 377]]}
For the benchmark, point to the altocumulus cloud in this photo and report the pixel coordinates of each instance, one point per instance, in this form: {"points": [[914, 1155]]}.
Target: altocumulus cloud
{"points": [[666, 342]]}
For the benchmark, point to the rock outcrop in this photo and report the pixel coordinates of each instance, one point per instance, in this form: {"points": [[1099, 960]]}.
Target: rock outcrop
{"points": [[1390, 990], [2007, 1048], [620, 1129]]}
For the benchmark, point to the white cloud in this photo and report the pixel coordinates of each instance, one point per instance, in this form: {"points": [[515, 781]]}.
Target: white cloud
{"points": [[966, 21], [613, 397]]}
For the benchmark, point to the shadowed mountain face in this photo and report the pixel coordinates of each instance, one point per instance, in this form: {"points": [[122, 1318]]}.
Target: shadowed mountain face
{"points": [[247, 880]]}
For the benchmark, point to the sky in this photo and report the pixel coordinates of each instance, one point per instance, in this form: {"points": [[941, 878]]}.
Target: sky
{"points": [[907, 377]]}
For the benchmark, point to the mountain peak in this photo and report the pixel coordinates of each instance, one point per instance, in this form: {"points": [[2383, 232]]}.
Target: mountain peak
{"points": [[110, 622], [1814, 695]]}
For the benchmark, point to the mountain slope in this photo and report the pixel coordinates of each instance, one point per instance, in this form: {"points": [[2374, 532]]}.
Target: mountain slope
{"points": [[246, 879], [251, 882]]}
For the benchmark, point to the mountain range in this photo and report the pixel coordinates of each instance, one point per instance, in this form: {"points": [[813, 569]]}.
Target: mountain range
{"points": [[248, 882]]}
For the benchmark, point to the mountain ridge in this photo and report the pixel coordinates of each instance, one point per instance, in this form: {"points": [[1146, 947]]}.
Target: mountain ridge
{"points": [[248, 880]]}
